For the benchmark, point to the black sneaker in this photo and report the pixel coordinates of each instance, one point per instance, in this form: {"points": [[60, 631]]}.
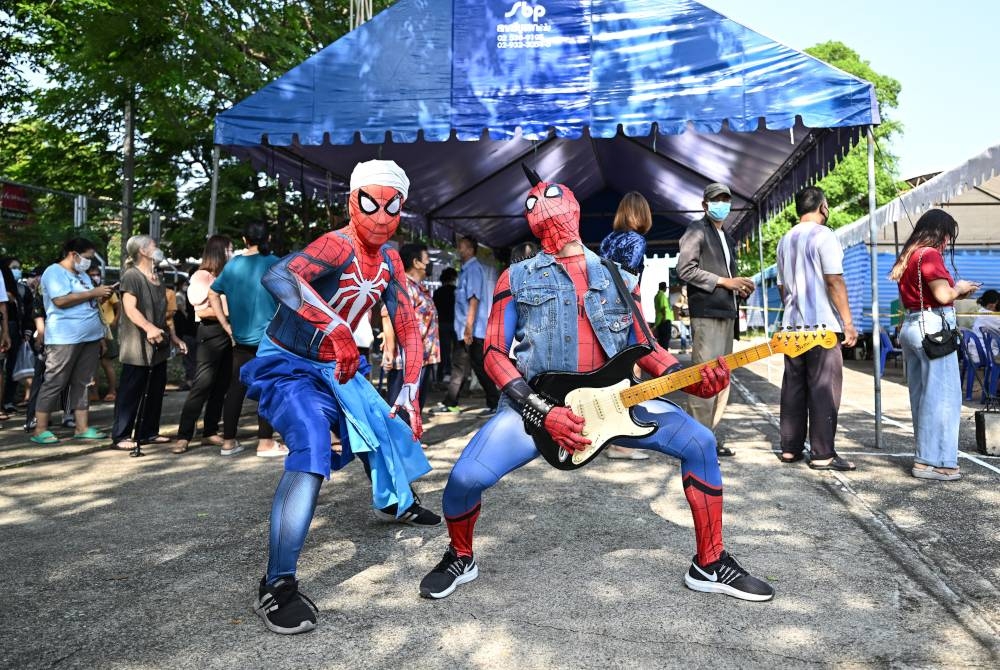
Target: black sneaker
{"points": [[415, 515], [448, 574], [283, 609], [727, 576]]}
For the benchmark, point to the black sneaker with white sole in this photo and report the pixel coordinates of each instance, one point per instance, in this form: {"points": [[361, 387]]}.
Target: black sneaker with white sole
{"points": [[415, 515], [447, 575], [729, 577], [284, 608]]}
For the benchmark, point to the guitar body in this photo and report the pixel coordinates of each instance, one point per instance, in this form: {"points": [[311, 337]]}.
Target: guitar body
{"points": [[595, 396], [604, 397]]}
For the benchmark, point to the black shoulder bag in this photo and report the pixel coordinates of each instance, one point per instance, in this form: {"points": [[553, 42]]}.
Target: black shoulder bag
{"points": [[948, 340], [629, 300]]}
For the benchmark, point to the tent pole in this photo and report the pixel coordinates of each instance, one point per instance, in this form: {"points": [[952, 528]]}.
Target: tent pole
{"points": [[876, 322], [215, 190], [763, 281]]}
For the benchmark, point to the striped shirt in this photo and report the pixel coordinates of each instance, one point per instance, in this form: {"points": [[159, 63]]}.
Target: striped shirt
{"points": [[806, 253]]}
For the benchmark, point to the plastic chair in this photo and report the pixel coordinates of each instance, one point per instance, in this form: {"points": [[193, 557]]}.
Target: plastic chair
{"points": [[991, 342], [970, 343], [887, 349]]}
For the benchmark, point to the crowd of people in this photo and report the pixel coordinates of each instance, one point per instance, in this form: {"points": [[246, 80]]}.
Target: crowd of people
{"points": [[295, 334], [64, 328]]}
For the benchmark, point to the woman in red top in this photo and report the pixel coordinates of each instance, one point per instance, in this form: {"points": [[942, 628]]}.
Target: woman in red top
{"points": [[927, 293]]}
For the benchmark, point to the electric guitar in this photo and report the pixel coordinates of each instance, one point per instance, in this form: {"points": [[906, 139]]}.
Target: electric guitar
{"points": [[604, 396]]}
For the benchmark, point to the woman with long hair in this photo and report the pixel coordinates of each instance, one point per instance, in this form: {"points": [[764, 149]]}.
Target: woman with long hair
{"points": [[215, 352], [250, 310], [143, 345], [626, 245], [927, 292]]}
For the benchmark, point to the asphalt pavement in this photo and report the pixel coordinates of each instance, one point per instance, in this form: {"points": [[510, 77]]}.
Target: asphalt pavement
{"points": [[117, 562]]}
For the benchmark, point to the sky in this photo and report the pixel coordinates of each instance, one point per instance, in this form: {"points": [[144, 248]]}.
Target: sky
{"points": [[944, 54]]}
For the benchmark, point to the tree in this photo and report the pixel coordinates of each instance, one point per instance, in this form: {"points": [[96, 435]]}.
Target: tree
{"points": [[179, 63], [846, 186]]}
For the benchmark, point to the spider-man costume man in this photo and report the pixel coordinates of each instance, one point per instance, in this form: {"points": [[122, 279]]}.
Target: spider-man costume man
{"points": [[563, 309], [304, 379]]}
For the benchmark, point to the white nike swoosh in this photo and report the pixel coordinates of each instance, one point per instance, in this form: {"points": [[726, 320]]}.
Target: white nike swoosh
{"points": [[710, 577]]}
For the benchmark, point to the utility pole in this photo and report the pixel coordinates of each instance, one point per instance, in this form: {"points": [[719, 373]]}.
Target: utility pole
{"points": [[128, 169]]}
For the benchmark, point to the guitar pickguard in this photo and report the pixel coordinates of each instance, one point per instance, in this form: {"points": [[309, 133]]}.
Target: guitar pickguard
{"points": [[605, 416]]}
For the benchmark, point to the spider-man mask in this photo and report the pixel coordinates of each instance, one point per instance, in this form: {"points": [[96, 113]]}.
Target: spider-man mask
{"points": [[553, 214], [375, 212]]}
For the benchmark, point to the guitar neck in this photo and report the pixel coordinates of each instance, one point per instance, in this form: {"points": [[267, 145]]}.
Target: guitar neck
{"points": [[655, 388]]}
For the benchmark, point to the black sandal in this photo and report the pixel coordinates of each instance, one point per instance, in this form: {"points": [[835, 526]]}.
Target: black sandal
{"points": [[837, 463], [795, 458]]}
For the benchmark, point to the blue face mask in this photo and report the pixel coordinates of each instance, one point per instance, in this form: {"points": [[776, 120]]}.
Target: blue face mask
{"points": [[17, 273], [719, 210]]}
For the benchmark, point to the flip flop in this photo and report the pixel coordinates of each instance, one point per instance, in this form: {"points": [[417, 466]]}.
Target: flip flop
{"points": [[90, 434], [794, 459], [158, 439], [274, 452], [935, 474], [124, 445], [47, 437], [837, 463]]}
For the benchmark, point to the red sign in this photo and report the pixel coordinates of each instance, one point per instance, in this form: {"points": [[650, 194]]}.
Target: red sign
{"points": [[15, 205]]}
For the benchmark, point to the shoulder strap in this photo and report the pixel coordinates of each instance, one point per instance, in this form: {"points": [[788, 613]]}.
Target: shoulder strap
{"points": [[627, 297]]}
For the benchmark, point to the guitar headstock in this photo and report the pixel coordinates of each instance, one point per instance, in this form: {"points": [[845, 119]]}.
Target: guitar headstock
{"points": [[793, 343]]}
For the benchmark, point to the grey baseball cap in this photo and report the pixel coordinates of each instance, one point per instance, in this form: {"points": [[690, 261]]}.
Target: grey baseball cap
{"points": [[715, 189]]}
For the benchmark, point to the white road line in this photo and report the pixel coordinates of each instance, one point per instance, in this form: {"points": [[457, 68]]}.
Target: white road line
{"points": [[979, 461]]}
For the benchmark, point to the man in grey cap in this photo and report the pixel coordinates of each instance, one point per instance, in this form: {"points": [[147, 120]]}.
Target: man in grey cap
{"points": [[707, 264]]}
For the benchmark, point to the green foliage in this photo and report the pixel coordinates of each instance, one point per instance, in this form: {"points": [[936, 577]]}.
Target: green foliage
{"points": [[36, 151], [846, 186], [180, 63]]}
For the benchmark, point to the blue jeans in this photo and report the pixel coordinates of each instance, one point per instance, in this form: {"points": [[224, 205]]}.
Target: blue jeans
{"points": [[935, 391]]}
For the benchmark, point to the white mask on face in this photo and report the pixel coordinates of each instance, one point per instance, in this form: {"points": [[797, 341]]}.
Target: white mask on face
{"points": [[157, 256], [81, 265]]}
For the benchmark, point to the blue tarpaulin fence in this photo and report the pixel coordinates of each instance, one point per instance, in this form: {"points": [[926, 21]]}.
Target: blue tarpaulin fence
{"points": [[982, 265]]}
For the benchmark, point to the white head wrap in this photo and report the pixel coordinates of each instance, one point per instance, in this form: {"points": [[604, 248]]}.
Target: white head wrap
{"points": [[380, 173]]}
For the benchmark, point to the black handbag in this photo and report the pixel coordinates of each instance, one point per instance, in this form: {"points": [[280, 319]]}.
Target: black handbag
{"points": [[948, 339]]}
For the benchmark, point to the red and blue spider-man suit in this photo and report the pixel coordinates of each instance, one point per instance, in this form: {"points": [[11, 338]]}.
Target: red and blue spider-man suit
{"points": [[563, 309], [304, 372]]}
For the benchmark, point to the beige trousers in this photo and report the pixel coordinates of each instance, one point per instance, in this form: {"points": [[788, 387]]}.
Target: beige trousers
{"points": [[710, 338]]}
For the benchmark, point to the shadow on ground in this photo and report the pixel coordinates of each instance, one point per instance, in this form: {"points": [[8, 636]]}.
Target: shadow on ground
{"points": [[153, 562]]}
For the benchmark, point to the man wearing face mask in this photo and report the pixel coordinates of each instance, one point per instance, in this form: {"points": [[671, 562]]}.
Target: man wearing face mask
{"points": [[707, 263]]}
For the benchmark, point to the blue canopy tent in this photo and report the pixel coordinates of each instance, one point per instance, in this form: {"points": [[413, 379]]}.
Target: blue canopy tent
{"points": [[606, 96]]}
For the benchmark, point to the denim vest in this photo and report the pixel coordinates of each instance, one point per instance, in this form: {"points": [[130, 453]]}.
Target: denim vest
{"points": [[546, 303]]}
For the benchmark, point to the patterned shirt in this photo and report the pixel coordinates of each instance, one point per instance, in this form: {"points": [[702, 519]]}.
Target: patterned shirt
{"points": [[427, 318]]}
